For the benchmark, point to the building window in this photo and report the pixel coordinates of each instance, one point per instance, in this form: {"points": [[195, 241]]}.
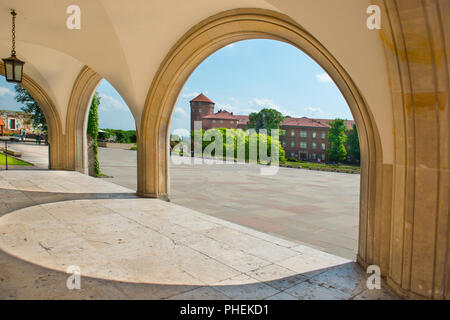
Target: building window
{"points": [[199, 110], [292, 133], [314, 134], [12, 124], [221, 121], [313, 156], [303, 134], [323, 156], [324, 135], [303, 145], [214, 121], [323, 146], [313, 145], [292, 144], [284, 143], [292, 154]]}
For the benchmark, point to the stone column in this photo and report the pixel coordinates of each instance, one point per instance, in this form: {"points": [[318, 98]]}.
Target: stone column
{"points": [[416, 35]]}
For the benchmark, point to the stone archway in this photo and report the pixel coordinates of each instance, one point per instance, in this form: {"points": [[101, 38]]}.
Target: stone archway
{"points": [[77, 114], [242, 24], [55, 136]]}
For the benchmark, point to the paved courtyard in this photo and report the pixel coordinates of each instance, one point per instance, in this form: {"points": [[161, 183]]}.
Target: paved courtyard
{"points": [[314, 208], [132, 248]]}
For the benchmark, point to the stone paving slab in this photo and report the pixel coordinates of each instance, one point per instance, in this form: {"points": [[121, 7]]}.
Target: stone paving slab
{"points": [[129, 248]]}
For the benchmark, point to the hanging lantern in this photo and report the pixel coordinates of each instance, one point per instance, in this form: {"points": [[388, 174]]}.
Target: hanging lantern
{"points": [[13, 66]]}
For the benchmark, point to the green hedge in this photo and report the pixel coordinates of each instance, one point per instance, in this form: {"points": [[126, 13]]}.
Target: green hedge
{"points": [[123, 136]]}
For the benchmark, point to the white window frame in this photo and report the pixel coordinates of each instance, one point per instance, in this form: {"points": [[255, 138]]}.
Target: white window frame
{"points": [[15, 123]]}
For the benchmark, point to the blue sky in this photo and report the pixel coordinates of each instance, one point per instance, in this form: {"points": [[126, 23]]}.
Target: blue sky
{"points": [[243, 77]]}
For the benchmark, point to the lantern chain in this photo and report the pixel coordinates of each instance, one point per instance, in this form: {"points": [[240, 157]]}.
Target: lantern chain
{"points": [[13, 51]]}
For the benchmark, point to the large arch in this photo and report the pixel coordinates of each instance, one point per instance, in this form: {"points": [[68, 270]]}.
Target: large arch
{"points": [[242, 24], [55, 136]]}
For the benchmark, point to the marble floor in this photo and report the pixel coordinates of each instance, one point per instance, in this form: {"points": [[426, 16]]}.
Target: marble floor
{"points": [[132, 248]]}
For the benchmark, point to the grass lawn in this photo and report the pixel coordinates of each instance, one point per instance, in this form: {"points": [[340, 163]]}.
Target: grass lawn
{"points": [[308, 165], [12, 161]]}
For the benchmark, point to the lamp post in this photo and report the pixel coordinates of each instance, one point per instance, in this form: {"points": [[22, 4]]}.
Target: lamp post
{"points": [[13, 66]]}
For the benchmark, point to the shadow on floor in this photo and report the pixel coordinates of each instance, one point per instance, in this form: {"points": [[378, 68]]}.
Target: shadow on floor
{"points": [[20, 279], [12, 200]]}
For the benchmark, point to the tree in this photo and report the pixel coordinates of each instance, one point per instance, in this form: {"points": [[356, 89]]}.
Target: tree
{"points": [[353, 144], [31, 106], [337, 139], [238, 137], [92, 132], [265, 119]]}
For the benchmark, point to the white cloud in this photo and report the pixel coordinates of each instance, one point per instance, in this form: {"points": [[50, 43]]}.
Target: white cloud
{"points": [[110, 103], [315, 112], [181, 132], [228, 107], [235, 101], [180, 112], [190, 95], [6, 92], [323, 78], [267, 103]]}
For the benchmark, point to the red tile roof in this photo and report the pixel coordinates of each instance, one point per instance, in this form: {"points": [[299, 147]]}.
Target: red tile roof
{"points": [[202, 98], [242, 119], [303, 122], [348, 123], [224, 115]]}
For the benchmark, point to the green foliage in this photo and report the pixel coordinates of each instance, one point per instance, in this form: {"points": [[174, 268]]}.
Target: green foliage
{"points": [[92, 130], [265, 119], [174, 140], [31, 106], [337, 139], [122, 136], [238, 137], [353, 144]]}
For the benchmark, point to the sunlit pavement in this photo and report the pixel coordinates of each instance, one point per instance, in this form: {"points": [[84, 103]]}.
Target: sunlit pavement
{"points": [[315, 208], [127, 247]]}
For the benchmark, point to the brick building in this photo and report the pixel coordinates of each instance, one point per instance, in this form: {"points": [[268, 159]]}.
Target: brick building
{"points": [[15, 121], [304, 138]]}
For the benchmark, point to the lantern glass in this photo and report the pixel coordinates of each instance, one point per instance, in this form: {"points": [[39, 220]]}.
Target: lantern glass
{"points": [[18, 72], [13, 69], [9, 70]]}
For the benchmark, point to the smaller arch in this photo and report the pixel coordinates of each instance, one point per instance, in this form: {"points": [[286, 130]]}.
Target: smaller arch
{"points": [[55, 137], [77, 113]]}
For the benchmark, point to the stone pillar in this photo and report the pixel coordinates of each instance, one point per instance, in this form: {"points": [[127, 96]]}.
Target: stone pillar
{"points": [[416, 36]]}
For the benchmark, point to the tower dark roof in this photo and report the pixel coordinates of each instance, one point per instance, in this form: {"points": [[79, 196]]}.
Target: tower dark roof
{"points": [[202, 98]]}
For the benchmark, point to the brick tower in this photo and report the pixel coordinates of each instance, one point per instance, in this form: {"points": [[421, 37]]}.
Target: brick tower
{"points": [[200, 107]]}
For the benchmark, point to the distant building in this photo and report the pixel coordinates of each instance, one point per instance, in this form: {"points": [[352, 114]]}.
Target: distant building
{"points": [[304, 138], [15, 121]]}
